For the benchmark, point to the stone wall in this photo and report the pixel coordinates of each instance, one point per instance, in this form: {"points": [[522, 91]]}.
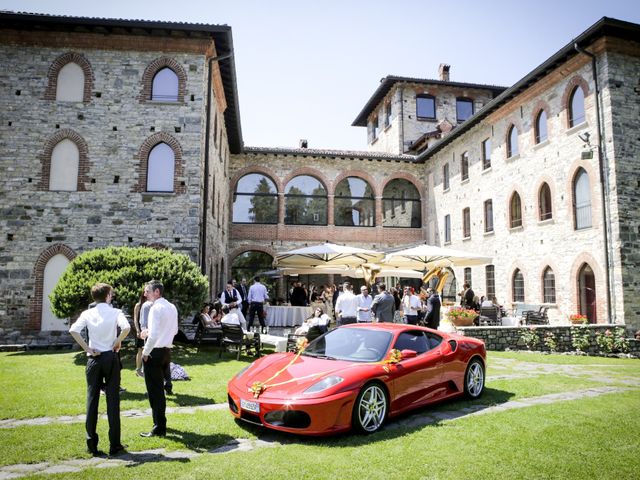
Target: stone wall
{"points": [[510, 338], [115, 128]]}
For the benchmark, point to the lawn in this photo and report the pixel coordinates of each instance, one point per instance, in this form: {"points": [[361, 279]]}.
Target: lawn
{"points": [[586, 437]]}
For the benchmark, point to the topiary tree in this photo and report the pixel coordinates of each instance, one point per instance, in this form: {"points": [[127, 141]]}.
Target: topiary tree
{"points": [[127, 269]]}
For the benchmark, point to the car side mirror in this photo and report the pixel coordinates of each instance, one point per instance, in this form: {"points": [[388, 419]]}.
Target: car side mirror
{"points": [[408, 354]]}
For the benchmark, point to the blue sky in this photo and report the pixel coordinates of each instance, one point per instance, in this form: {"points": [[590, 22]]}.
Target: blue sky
{"points": [[306, 68]]}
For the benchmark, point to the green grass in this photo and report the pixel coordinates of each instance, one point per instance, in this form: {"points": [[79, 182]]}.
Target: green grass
{"points": [[584, 438]]}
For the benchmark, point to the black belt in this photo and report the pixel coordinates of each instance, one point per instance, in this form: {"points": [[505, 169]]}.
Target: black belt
{"points": [[257, 303]]}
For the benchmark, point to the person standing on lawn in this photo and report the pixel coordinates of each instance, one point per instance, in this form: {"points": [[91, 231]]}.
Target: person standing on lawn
{"points": [[103, 365], [163, 326]]}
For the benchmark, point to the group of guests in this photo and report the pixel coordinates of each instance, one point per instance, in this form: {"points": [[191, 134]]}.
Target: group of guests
{"points": [[385, 306], [156, 326]]}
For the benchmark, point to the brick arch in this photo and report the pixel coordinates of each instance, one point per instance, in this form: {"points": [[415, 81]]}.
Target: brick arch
{"points": [[154, 67], [142, 162], [547, 262], [250, 248], [310, 171], [409, 178], [515, 189], [35, 317], [257, 169], [512, 271], [536, 192], [579, 261], [360, 174], [56, 66], [540, 105], [593, 185], [83, 161], [518, 125], [578, 80]]}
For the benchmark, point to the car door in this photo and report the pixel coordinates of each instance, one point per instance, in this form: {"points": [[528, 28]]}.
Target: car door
{"points": [[416, 380]]}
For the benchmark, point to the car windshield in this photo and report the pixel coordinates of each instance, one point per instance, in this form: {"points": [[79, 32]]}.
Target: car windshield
{"points": [[354, 344]]}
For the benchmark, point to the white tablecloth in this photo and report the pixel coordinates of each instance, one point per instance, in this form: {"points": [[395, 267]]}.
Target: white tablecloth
{"points": [[287, 316], [280, 343]]}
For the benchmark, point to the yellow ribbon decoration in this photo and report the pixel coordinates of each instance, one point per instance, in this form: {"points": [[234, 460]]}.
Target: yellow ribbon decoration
{"points": [[257, 388]]}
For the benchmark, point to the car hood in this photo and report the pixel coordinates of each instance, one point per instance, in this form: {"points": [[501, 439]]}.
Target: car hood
{"points": [[285, 377]]}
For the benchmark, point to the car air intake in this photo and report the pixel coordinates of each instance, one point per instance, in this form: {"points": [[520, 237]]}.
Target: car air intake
{"points": [[288, 418]]}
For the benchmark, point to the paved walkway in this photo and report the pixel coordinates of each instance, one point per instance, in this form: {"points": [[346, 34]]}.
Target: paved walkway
{"points": [[266, 439]]}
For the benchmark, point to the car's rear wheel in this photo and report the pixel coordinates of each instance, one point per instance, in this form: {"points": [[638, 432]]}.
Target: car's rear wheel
{"points": [[474, 379], [370, 409]]}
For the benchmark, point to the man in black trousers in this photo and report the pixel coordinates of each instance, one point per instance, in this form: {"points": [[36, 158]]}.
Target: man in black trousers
{"points": [[103, 365], [163, 326]]}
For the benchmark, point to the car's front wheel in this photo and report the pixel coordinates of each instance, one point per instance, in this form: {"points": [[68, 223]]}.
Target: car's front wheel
{"points": [[370, 409], [474, 379]]}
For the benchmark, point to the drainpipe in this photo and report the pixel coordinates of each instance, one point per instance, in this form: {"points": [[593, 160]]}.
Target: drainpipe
{"points": [[401, 123], [604, 186], [203, 239]]}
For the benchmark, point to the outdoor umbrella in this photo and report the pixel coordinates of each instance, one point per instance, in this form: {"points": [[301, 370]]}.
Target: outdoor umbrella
{"points": [[427, 257], [326, 254]]}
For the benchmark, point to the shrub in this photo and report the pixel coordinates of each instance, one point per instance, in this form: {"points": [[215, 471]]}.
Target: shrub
{"points": [[551, 341], [580, 339], [127, 270], [530, 337], [610, 342]]}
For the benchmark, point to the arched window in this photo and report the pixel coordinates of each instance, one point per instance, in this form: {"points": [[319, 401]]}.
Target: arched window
{"points": [[512, 142], [161, 168], [305, 201], [587, 292], [464, 109], [251, 263], [354, 204], [53, 270], [544, 202], [65, 161], [165, 86], [517, 286], [576, 107], [70, 84], [464, 166], [515, 211], [541, 127], [549, 286], [581, 200], [401, 204], [255, 200]]}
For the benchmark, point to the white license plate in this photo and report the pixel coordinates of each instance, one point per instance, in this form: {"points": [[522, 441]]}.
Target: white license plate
{"points": [[249, 405]]}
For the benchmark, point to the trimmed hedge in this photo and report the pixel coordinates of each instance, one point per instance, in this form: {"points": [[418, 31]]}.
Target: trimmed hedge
{"points": [[127, 269]]}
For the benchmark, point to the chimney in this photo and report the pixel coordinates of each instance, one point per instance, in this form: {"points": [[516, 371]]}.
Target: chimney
{"points": [[443, 72], [303, 143]]}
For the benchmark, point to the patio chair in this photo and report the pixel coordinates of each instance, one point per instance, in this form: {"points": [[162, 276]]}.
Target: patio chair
{"points": [[292, 342], [233, 338], [533, 317], [490, 316], [207, 334]]}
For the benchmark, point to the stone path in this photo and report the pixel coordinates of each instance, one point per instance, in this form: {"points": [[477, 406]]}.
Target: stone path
{"points": [[518, 370]]}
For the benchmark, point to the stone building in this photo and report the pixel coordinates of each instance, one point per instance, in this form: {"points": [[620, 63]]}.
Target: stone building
{"points": [[541, 175], [113, 132]]}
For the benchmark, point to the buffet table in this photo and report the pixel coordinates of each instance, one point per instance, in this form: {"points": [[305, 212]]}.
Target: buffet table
{"points": [[287, 316]]}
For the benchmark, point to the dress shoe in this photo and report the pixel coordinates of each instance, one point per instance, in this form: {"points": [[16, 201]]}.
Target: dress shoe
{"points": [[153, 433], [117, 450], [92, 447]]}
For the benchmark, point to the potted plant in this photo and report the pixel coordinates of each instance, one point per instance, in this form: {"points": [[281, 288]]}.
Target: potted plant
{"points": [[461, 317], [578, 318]]}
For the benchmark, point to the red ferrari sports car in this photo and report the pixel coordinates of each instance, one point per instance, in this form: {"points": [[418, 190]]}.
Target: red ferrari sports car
{"points": [[357, 376]]}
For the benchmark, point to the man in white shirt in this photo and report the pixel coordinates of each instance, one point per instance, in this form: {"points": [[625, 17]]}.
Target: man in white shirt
{"points": [[103, 365], [364, 305], [257, 297], [346, 306], [163, 326], [411, 306]]}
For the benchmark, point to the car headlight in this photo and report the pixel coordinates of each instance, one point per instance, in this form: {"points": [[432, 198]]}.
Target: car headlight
{"points": [[323, 384]]}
